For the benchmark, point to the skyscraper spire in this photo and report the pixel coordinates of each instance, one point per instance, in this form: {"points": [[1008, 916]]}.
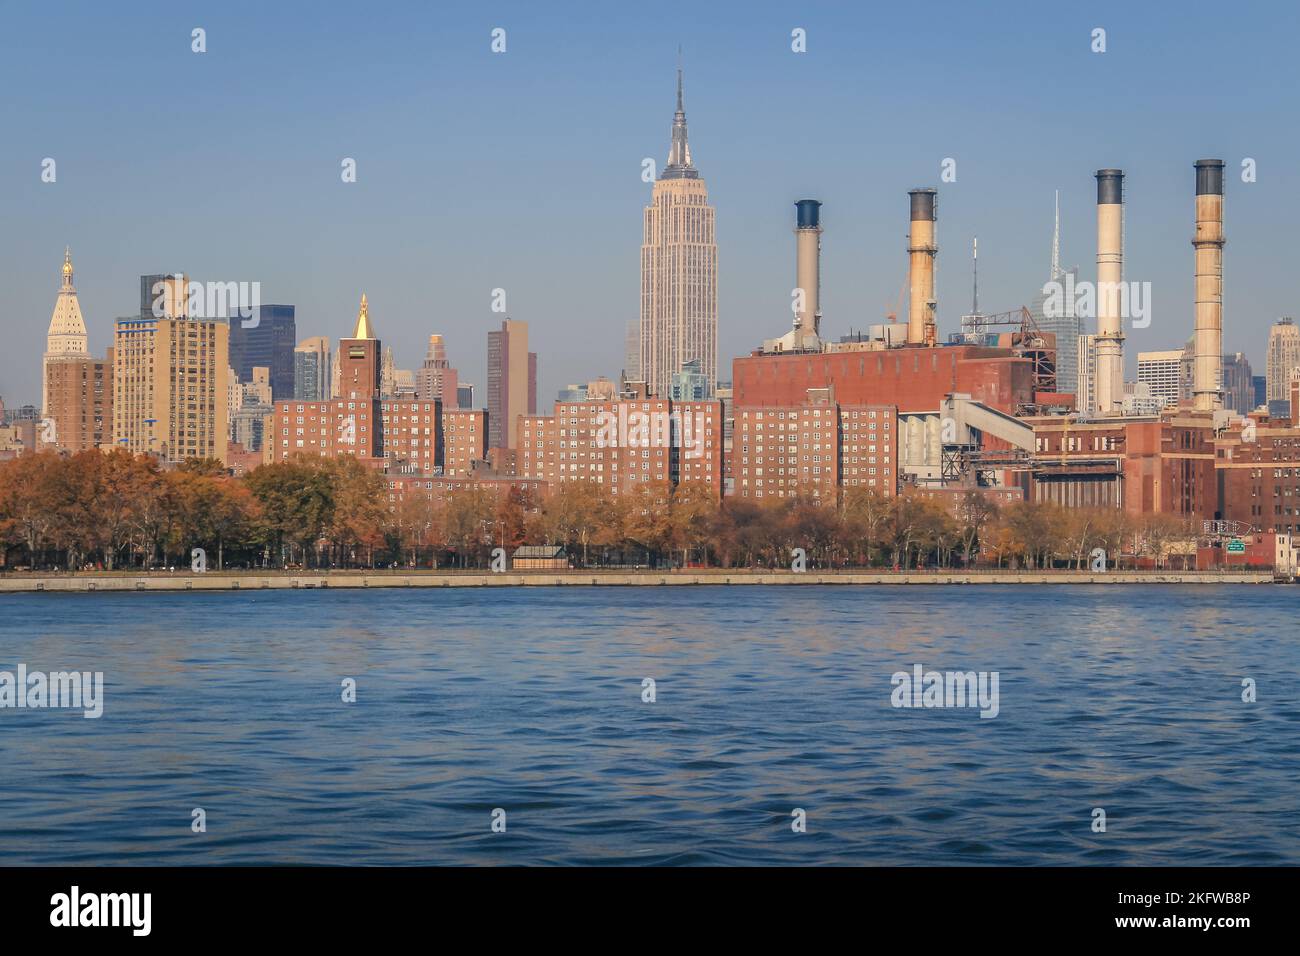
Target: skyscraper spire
{"points": [[679, 154], [363, 329], [680, 108], [1056, 239]]}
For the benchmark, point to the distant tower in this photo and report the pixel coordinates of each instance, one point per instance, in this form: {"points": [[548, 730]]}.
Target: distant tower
{"points": [[359, 360], [1283, 357], [679, 269], [388, 375], [1065, 325], [67, 334], [436, 380]]}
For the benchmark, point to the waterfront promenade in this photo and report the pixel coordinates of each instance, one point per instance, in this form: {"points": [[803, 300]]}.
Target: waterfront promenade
{"points": [[284, 580]]}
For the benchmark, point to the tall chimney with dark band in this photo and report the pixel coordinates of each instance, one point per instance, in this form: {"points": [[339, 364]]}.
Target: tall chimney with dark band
{"points": [[921, 326], [1207, 344], [808, 245], [1110, 274]]}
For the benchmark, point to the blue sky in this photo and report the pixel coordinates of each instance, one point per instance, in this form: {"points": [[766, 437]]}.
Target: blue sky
{"points": [[522, 170]]}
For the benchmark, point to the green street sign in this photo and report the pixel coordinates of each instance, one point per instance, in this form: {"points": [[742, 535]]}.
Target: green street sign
{"points": [[1236, 546]]}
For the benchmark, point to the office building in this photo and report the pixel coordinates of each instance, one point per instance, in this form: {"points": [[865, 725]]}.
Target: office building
{"points": [[267, 338], [1165, 373], [512, 382], [1283, 358], [1238, 389]]}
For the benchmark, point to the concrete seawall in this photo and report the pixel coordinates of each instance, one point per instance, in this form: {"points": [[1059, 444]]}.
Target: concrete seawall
{"points": [[214, 581]]}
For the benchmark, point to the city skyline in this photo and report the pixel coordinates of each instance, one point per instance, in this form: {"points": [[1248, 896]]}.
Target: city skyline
{"points": [[314, 259]]}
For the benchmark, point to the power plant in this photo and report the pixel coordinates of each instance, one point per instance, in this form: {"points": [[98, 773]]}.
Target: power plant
{"points": [[984, 408]]}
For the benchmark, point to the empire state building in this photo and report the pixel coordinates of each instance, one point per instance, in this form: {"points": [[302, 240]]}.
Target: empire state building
{"points": [[679, 270]]}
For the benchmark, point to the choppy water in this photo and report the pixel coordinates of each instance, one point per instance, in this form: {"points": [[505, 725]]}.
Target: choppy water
{"points": [[768, 699]]}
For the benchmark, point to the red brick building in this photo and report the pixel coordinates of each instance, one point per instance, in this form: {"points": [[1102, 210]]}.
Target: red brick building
{"points": [[406, 437], [619, 443], [1154, 465], [911, 379], [817, 447], [1257, 465]]}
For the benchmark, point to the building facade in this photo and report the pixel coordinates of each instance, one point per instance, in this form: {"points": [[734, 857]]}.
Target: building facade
{"points": [[679, 270], [170, 387], [623, 443], [815, 448], [80, 413], [1258, 471]]}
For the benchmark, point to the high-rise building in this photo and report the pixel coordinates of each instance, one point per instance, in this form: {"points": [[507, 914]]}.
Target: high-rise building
{"points": [[436, 379], [169, 385], [1283, 357], [80, 413], [312, 369], [267, 338], [1164, 372], [1238, 392], [465, 395], [67, 334], [1260, 384], [679, 270], [512, 382]]}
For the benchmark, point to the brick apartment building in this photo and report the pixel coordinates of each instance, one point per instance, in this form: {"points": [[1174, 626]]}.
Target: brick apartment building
{"points": [[622, 442]]}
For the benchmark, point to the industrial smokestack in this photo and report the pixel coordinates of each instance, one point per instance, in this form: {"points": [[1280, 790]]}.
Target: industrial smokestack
{"points": [[808, 244], [1110, 273], [1207, 343], [921, 326]]}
